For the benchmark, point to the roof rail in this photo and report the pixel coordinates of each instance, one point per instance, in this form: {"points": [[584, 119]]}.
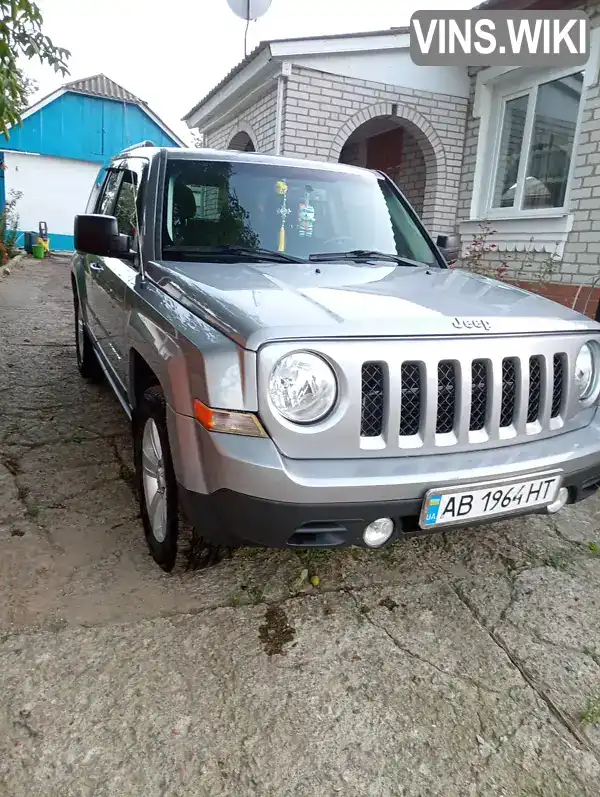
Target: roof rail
{"points": [[146, 143]]}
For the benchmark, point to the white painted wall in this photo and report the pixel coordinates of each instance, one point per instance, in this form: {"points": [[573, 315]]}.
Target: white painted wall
{"points": [[391, 66], [54, 189]]}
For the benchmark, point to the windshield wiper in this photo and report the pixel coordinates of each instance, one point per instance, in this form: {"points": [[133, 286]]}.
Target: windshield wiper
{"points": [[363, 254], [224, 250]]}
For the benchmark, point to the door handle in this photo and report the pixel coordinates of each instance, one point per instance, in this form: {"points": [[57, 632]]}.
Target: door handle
{"points": [[96, 267]]}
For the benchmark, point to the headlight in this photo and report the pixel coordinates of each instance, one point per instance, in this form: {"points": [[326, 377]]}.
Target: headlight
{"points": [[584, 372], [302, 387]]}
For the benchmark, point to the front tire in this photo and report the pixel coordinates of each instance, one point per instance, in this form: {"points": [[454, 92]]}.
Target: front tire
{"points": [[165, 526], [87, 361], [155, 479]]}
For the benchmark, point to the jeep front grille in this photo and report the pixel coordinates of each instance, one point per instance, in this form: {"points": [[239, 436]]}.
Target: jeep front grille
{"points": [[527, 388], [431, 395]]}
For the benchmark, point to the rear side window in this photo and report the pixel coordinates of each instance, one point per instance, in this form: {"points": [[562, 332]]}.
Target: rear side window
{"points": [[128, 208], [109, 192], [125, 209]]}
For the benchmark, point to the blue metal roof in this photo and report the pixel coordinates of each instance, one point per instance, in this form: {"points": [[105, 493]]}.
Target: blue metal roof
{"points": [[91, 120]]}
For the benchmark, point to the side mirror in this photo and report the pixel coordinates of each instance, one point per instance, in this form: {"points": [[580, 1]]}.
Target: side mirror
{"points": [[449, 245], [96, 234]]}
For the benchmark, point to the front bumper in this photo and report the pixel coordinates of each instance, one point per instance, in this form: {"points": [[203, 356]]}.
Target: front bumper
{"points": [[231, 518], [239, 490]]}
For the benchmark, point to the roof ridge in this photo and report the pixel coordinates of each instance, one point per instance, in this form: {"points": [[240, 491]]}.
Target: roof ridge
{"points": [[93, 85]]}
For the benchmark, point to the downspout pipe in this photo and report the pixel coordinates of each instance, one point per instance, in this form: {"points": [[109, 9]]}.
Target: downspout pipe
{"points": [[286, 71]]}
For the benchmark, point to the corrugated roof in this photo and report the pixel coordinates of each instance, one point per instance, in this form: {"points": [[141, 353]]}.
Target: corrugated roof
{"points": [[328, 37], [264, 44], [232, 73], [102, 86]]}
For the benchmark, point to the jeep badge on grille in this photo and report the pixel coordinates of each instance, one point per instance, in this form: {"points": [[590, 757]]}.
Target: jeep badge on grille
{"points": [[471, 323]]}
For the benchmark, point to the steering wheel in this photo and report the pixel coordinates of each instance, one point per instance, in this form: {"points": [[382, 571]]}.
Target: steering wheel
{"points": [[338, 239]]}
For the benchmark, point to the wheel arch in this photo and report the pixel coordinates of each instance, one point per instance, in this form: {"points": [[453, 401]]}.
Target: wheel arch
{"points": [[142, 375]]}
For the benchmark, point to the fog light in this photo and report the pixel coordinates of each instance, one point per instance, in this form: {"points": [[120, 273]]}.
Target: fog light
{"points": [[378, 532], [561, 500]]}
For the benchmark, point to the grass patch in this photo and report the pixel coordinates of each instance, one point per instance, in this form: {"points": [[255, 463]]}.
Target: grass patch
{"points": [[593, 654], [559, 561], [591, 713]]}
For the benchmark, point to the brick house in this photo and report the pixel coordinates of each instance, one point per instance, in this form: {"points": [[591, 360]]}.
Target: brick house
{"points": [[510, 151], [353, 98]]}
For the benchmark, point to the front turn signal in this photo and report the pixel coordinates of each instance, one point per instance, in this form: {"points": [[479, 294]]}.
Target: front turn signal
{"points": [[228, 421]]}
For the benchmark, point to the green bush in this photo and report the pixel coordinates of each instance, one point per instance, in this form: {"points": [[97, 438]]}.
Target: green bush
{"points": [[9, 225]]}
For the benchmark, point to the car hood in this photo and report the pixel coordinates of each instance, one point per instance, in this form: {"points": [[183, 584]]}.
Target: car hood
{"points": [[259, 302]]}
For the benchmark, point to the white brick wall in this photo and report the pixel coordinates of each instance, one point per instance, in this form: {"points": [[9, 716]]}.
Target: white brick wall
{"points": [[258, 121], [323, 110]]}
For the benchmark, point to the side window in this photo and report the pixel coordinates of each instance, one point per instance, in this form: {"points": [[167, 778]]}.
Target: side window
{"points": [[109, 191]]}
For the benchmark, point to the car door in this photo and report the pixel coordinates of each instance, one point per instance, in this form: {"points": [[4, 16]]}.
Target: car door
{"points": [[115, 280], [94, 264]]}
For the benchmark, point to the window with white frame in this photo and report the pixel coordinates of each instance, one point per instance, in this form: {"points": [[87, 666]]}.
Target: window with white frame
{"points": [[534, 135]]}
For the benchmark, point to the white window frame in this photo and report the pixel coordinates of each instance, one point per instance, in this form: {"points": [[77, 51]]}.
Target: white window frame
{"points": [[493, 87], [529, 88]]}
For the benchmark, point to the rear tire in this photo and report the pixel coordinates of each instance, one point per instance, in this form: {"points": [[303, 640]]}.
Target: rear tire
{"points": [[87, 361]]}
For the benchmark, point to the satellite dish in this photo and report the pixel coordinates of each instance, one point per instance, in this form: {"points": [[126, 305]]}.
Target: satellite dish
{"points": [[249, 9]]}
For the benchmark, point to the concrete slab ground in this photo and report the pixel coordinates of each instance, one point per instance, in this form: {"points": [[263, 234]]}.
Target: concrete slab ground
{"points": [[464, 665]]}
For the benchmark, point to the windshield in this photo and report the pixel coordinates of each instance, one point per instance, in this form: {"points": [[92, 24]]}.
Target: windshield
{"points": [[296, 211]]}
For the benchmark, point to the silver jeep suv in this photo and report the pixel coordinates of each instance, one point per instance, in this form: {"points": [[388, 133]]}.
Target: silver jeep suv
{"points": [[301, 367]]}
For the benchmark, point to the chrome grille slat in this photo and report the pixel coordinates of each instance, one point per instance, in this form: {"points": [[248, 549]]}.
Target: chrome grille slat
{"points": [[429, 404], [494, 390], [546, 390], [522, 397], [464, 402]]}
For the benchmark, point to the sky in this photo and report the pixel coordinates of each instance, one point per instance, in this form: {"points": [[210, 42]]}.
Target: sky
{"points": [[171, 54]]}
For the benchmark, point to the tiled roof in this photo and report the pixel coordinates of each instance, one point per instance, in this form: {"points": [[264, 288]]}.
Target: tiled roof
{"points": [[101, 86], [264, 44]]}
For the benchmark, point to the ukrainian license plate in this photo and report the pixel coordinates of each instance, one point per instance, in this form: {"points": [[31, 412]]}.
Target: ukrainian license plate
{"points": [[453, 505]]}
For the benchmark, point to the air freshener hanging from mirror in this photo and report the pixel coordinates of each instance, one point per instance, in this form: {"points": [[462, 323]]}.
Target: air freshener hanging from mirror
{"points": [[306, 216], [281, 188]]}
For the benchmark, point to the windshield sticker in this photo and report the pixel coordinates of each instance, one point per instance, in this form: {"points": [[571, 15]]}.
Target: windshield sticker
{"points": [[281, 188], [306, 217]]}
